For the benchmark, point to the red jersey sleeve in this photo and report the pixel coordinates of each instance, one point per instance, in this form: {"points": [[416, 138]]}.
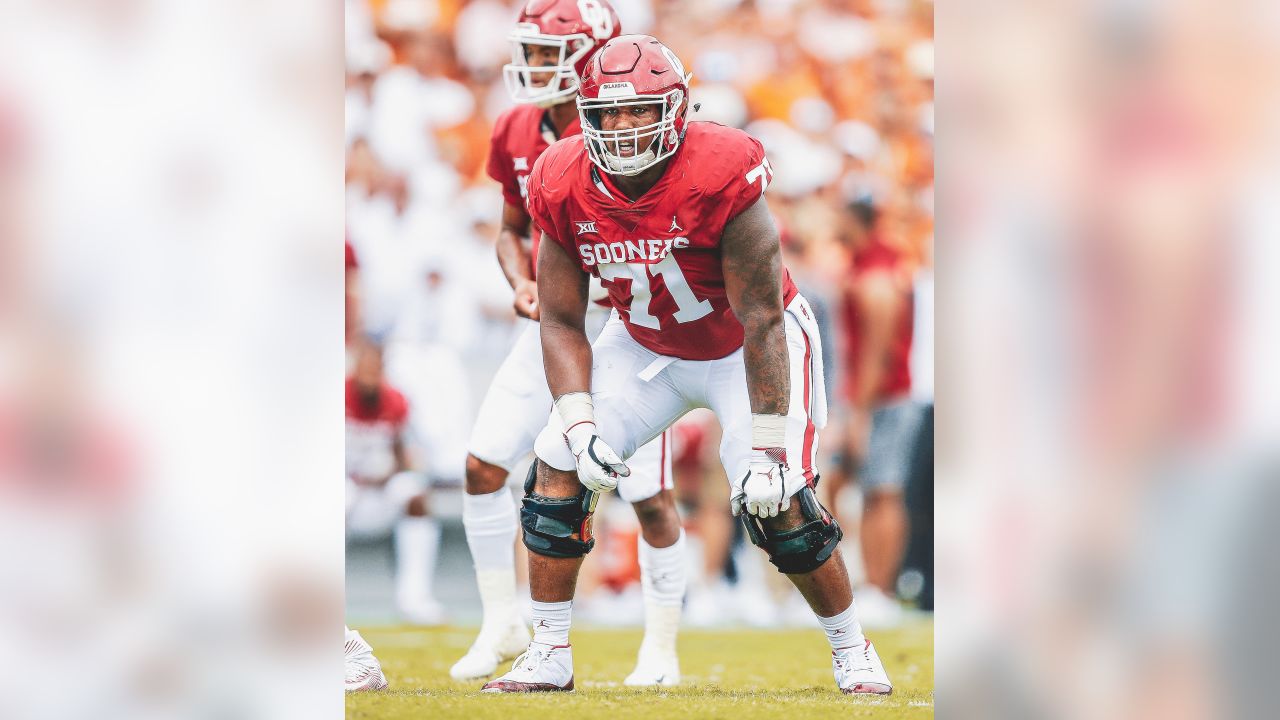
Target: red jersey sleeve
{"points": [[543, 191], [754, 174], [500, 167], [351, 257], [397, 411]]}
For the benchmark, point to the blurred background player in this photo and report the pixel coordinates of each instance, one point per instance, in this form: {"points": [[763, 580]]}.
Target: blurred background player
{"points": [[884, 420], [352, 303], [384, 494], [552, 42], [362, 669]]}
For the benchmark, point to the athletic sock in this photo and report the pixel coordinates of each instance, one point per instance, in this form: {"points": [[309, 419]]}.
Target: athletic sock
{"points": [[417, 544], [663, 573], [843, 630], [551, 622], [490, 523]]}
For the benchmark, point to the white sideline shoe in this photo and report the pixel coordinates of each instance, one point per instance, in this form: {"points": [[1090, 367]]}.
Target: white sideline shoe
{"points": [[657, 663], [491, 649], [421, 611], [654, 670], [703, 608], [363, 671], [858, 670], [542, 668], [876, 610]]}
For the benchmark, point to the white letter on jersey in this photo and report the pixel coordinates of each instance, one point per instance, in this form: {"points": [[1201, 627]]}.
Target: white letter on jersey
{"points": [[691, 308], [638, 274], [762, 172], [688, 306]]}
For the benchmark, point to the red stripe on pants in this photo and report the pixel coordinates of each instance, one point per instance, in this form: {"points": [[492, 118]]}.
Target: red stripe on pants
{"points": [[662, 464], [809, 429]]}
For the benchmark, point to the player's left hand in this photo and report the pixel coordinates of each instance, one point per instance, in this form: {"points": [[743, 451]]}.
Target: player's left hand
{"points": [[764, 488]]}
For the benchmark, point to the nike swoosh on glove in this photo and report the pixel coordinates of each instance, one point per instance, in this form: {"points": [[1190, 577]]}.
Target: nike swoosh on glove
{"points": [[599, 467], [764, 487]]}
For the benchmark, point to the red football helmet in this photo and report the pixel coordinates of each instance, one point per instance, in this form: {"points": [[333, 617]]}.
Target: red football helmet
{"points": [[633, 70], [576, 28]]}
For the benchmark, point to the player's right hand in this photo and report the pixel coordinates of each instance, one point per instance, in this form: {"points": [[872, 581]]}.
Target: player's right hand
{"points": [[526, 300], [599, 467], [764, 489]]}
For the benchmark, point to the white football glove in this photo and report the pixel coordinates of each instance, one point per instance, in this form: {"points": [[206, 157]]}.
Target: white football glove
{"points": [[764, 488], [599, 467]]}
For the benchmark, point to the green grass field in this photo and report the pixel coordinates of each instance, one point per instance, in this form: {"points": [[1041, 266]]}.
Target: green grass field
{"points": [[738, 674]]}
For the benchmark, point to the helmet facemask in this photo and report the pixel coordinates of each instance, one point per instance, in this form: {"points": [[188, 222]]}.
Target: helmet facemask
{"points": [[519, 74], [659, 139]]}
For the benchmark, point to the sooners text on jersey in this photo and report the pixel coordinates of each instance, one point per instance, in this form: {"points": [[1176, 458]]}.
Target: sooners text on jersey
{"points": [[659, 257], [517, 143]]}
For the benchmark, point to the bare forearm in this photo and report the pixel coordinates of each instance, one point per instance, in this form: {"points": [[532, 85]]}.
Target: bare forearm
{"points": [[768, 369], [566, 352], [513, 257], [401, 453], [753, 282], [566, 356]]}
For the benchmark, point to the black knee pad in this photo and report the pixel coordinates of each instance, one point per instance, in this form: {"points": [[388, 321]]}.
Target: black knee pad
{"points": [[801, 549], [550, 523]]}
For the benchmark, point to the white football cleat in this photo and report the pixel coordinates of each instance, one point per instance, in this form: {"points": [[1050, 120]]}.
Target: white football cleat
{"points": [[858, 671], [542, 668], [654, 670], [491, 649], [363, 671]]}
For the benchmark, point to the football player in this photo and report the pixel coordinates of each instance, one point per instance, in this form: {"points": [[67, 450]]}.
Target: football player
{"points": [[671, 216], [551, 44], [384, 492]]}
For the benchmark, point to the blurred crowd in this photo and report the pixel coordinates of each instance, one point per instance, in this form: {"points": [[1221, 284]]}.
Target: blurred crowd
{"points": [[840, 92]]}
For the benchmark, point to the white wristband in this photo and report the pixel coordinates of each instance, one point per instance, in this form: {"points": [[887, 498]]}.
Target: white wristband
{"points": [[575, 408], [768, 431]]}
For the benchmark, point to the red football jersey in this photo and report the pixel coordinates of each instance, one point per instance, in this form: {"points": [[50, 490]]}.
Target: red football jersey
{"points": [[372, 430], [878, 256], [659, 257], [352, 263], [519, 139]]}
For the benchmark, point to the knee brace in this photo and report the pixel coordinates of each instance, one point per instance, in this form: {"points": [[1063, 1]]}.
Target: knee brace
{"points": [[800, 549], [550, 523]]}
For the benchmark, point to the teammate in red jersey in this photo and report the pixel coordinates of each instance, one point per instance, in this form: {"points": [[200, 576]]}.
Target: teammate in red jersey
{"points": [[551, 44], [671, 216]]}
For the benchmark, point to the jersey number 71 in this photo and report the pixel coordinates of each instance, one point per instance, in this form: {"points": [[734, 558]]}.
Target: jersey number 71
{"points": [[690, 308]]}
